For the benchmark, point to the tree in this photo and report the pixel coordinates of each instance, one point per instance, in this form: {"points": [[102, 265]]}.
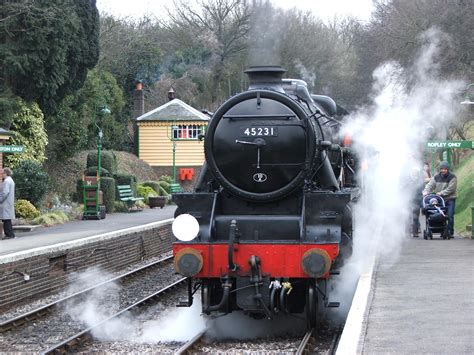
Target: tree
{"points": [[28, 126], [74, 128], [130, 50], [47, 48], [221, 26]]}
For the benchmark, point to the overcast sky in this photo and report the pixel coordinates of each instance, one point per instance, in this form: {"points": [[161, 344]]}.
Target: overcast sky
{"points": [[325, 9]]}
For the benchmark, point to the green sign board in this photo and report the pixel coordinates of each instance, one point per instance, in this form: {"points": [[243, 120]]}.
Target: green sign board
{"points": [[450, 144], [11, 148]]}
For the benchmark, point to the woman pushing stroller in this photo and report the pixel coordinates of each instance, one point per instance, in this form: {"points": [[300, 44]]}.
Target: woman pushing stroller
{"points": [[444, 184]]}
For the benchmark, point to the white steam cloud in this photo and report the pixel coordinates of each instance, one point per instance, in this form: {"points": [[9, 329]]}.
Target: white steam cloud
{"points": [[171, 324], [390, 136]]}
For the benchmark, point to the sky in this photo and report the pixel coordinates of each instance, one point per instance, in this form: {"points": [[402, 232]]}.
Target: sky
{"points": [[325, 9]]}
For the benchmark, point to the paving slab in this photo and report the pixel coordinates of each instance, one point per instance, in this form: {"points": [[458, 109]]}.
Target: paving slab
{"points": [[424, 302], [81, 229]]}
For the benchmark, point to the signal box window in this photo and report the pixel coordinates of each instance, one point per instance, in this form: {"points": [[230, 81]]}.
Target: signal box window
{"points": [[187, 132]]}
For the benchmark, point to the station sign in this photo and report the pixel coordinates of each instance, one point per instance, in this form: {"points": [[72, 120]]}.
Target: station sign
{"points": [[11, 148], [450, 144]]}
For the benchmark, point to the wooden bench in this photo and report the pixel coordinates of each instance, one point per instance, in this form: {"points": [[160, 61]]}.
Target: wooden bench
{"points": [[126, 195]]}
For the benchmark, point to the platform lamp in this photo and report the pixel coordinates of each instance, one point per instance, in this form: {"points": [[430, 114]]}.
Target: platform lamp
{"points": [[469, 101], [173, 135]]}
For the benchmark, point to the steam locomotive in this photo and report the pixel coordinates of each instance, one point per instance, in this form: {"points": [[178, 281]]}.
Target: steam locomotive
{"points": [[269, 221]]}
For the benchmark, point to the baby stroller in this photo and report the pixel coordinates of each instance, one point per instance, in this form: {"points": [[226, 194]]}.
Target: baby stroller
{"points": [[436, 217]]}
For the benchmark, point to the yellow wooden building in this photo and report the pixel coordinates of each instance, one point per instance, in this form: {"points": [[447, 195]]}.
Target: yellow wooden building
{"points": [[172, 123]]}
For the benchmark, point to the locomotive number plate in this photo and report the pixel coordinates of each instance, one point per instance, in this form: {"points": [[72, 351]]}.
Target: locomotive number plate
{"points": [[266, 131]]}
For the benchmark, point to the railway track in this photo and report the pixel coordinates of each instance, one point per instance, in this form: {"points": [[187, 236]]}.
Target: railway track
{"points": [[309, 344], [79, 339], [42, 311], [20, 332]]}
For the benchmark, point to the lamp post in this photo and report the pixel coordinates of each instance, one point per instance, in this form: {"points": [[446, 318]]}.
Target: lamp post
{"points": [[469, 101], [173, 136], [103, 111]]}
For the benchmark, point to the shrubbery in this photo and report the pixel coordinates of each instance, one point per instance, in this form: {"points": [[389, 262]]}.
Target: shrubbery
{"points": [[51, 218], [108, 161], [162, 188], [145, 192], [107, 186], [25, 209], [31, 182], [92, 171]]}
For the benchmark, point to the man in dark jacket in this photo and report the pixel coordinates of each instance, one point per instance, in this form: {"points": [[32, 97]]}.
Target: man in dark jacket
{"points": [[444, 184]]}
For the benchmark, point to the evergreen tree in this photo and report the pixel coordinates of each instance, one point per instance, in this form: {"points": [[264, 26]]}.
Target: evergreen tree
{"points": [[47, 48]]}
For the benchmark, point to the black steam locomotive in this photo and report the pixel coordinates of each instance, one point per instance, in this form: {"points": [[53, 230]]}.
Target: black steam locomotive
{"points": [[272, 206]]}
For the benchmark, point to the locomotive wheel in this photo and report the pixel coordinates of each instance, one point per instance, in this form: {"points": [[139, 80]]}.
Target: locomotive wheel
{"points": [[314, 306], [205, 296], [311, 306]]}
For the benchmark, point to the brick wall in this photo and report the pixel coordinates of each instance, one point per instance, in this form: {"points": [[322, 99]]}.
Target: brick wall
{"points": [[52, 272]]}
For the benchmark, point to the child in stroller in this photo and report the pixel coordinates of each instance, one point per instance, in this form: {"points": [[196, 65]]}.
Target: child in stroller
{"points": [[436, 217]]}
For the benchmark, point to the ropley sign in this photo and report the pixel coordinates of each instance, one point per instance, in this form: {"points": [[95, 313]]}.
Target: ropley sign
{"points": [[11, 148], [451, 144]]}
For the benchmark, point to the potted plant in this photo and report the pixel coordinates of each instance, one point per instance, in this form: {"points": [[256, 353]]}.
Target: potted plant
{"points": [[156, 201]]}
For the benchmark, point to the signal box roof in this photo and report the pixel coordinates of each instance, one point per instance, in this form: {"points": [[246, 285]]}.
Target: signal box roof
{"points": [[174, 110]]}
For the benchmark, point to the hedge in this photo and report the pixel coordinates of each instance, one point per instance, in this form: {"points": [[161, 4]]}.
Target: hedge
{"points": [[108, 161], [107, 186], [92, 171]]}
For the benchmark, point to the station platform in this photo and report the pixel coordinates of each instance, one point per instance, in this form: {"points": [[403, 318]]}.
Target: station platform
{"points": [[74, 230], [423, 303]]}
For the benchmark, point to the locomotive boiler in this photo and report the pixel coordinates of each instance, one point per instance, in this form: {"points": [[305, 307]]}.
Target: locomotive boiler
{"points": [[269, 221]]}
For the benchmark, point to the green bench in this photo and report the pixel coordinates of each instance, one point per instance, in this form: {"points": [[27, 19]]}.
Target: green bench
{"points": [[126, 195]]}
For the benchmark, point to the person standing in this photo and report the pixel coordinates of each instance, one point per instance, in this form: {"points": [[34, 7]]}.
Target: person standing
{"points": [[7, 203], [426, 173], [444, 184]]}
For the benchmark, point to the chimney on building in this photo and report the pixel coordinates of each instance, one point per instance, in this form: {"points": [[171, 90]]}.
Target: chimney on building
{"points": [[171, 94], [138, 100]]}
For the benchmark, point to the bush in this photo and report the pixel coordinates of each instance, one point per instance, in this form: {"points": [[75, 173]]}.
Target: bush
{"points": [[126, 179], [120, 206], [51, 218], [31, 181], [25, 209], [165, 188], [154, 185], [145, 192], [166, 178], [92, 171], [108, 161], [107, 186]]}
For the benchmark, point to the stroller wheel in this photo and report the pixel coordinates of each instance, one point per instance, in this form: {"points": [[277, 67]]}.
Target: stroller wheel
{"points": [[445, 234], [430, 235]]}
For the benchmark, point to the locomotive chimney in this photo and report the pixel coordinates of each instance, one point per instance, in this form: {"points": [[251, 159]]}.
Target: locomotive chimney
{"points": [[266, 77]]}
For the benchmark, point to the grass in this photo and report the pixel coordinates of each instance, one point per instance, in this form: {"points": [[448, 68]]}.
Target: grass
{"points": [[465, 192]]}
